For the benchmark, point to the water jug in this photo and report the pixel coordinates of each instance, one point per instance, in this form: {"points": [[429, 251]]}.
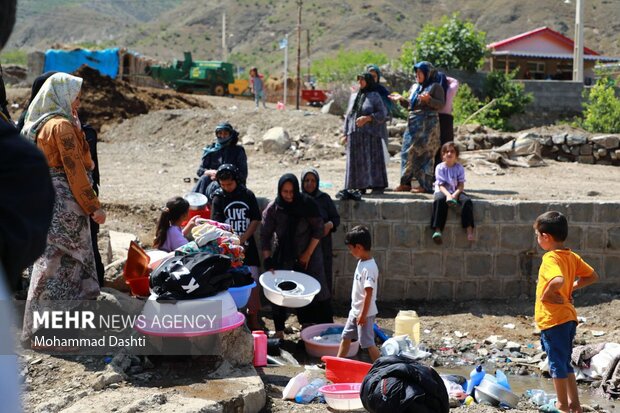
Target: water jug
{"points": [[260, 348], [475, 377], [407, 322]]}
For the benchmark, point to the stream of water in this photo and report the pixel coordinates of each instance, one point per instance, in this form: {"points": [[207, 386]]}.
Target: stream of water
{"points": [[520, 384]]}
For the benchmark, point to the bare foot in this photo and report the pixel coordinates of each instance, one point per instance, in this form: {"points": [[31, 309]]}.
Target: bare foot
{"points": [[418, 190]]}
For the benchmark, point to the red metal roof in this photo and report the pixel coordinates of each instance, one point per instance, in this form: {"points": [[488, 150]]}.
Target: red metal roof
{"points": [[535, 32]]}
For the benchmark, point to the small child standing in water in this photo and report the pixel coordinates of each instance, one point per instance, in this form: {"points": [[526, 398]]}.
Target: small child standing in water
{"points": [[449, 191], [169, 235], [363, 295], [561, 272]]}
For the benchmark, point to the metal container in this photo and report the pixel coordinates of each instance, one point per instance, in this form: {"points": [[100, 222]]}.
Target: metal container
{"points": [[494, 394]]}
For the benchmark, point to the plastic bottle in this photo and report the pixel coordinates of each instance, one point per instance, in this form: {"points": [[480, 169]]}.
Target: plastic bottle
{"points": [[537, 396], [475, 377], [260, 348], [502, 380], [310, 391]]}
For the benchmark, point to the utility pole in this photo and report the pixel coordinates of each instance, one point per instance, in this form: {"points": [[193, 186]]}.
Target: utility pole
{"points": [[308, 53], [578, 51], [285, 69], [298, 81], [224, 50]]}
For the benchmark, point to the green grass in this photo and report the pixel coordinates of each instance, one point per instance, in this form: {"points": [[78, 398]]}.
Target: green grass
{"points": [[14, 56]]}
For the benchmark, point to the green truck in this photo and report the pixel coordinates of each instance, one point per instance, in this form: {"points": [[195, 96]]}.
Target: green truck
{"points": [[195, 76]]}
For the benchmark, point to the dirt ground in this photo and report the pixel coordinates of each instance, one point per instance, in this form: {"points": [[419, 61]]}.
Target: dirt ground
{"points": [[147, 159]]}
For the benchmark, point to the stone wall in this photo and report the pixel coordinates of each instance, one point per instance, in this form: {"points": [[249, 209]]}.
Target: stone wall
{"points": [[502, 263]]}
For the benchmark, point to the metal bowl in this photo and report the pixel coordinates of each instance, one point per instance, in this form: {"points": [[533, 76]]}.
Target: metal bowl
{"points": [[493, 393]]}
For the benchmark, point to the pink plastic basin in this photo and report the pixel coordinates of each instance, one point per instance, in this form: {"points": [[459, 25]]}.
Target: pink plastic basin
{"points": [[318, 349], [343, 396]]}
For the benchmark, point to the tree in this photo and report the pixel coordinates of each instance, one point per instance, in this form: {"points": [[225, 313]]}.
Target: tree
{"points": [[453, 44], [346, 65], [602, 110]]}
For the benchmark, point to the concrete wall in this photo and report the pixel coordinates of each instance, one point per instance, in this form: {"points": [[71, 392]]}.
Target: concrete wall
{"points": [[502, 263]]}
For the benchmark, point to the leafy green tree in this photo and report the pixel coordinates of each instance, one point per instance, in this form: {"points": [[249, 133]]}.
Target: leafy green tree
{"points": [[345, 65], [453, 44], [602, 109]]}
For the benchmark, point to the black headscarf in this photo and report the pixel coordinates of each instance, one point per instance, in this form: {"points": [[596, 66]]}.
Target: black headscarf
{"points": [[233, 171], [302, 206], [36, 86], [361, 94], [316, 193]]}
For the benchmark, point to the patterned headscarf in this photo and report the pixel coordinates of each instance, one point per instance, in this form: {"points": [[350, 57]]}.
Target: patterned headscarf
{"points": [[54, 99]]}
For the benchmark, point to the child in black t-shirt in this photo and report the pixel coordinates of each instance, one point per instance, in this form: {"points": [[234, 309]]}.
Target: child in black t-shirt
{"points": [[236, 206]]}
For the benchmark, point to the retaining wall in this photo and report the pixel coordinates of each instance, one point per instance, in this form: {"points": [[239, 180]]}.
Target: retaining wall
{"points": [[502, 263]]}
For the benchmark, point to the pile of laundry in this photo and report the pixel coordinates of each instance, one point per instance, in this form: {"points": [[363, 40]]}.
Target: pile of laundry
{"points": [[215, 238]]}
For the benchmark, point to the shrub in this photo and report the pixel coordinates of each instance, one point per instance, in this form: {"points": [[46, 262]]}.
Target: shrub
{"points": [[465, 104], [602, 108], [510, 99]]}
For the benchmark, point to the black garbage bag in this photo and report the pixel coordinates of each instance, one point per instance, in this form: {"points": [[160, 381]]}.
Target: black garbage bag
{"points": [[191, 276], [397, 384]]}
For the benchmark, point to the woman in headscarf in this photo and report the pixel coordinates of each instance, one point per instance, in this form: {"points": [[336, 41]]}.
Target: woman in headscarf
{"points": [[223, 150], [310, 185], [421, 140], [36, 86], [66, 270], [295, 221], [363, 128], [384, 93]]}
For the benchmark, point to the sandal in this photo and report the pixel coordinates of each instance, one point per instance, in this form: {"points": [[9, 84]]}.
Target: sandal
{"points": [[402, 188], [418, 190], [437, 238]]}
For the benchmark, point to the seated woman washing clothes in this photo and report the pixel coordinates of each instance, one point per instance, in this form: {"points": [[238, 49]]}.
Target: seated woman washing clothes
{"points": [[294, 220], [223, 150]]}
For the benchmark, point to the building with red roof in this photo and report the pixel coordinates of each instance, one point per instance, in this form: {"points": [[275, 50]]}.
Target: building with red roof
{"points": [[542, 53]]}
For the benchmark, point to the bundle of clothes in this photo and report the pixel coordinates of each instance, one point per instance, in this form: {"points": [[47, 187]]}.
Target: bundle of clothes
{"points": [[210, 264]]}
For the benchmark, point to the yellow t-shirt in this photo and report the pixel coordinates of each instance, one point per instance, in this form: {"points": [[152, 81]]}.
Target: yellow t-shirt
{"points": [[558, 263]]}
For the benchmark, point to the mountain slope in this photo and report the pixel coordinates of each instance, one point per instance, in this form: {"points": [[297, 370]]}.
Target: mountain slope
{"points": [[164, 28]]}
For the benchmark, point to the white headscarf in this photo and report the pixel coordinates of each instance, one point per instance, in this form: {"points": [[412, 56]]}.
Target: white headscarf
{"points": [[54, 99]]}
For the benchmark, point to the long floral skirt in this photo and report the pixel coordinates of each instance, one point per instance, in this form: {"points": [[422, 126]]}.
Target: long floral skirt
{"points": [[66, 270]]}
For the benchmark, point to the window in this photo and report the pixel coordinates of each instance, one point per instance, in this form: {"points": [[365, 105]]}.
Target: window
{"points": [[536, 69]]}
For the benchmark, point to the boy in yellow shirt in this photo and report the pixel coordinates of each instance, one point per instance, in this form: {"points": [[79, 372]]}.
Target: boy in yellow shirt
{"points": [[561, 272]]}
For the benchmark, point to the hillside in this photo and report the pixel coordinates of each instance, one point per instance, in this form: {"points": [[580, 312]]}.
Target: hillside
{"points": [[164, 28]]}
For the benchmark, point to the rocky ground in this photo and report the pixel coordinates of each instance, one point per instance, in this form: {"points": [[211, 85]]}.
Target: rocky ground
{"points": [[150, 157]]}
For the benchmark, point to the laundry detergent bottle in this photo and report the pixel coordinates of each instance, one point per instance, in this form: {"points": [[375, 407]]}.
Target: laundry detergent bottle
{"points": [[475, 377]]}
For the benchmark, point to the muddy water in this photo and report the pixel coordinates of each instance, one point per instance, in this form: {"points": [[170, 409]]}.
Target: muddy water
{"points": [[520, 384]]}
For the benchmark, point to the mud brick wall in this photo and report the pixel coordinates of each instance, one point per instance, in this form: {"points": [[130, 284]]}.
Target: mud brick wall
{"points": [[502, 263]]}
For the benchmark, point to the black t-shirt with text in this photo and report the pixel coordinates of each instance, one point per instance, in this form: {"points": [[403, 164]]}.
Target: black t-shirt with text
{"points": [[238, 209]]}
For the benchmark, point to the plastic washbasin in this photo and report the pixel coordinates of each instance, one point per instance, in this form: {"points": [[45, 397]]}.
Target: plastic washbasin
{"points": [[318, 349], [343, 396], [342, 370], [241, 295]]}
